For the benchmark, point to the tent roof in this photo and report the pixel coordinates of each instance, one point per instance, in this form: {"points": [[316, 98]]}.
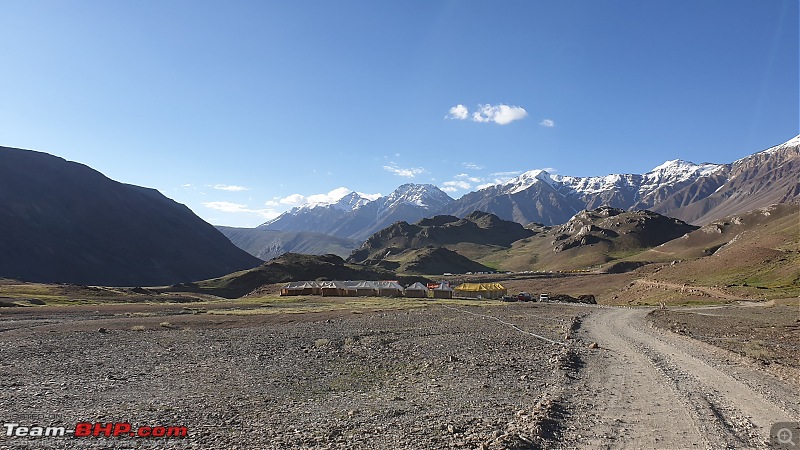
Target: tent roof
{"points": [[301, 284], [333, 284], [417, 287], [480, 287]]}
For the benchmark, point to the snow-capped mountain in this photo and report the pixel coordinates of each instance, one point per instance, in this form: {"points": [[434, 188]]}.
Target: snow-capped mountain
{"points": [[537, 196], [355, 217], [761, 179], [350, 202], [425, 196], [695, 193]]}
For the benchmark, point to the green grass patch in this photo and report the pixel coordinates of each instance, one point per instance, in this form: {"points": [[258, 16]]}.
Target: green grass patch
{"points": [[308, 304]]}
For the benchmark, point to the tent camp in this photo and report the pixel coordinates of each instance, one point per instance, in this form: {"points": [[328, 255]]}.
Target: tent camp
{"points": [[417, 290], [336, 289], [359, 288], [480, 290], [301, 288]]}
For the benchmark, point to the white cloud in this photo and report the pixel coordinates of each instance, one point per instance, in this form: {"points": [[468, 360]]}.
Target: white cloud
{"points": [[328, 198], [187, 185], [370, 197], [499, 178], [458, 184], [508, 175], [547, 123], [229, 207], [458, 112], [472, 166], [225, 187], [469, 178], [331, 197], [449, 189], [294, 200], [500, 114], [410, 172]]}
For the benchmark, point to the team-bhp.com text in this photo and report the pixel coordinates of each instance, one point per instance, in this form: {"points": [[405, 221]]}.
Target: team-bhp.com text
{"points": [[97, 429]]}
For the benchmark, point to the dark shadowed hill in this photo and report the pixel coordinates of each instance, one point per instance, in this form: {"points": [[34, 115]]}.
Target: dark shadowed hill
{"points": [[439, 244], [477, 233], [290, 267], [62, 221]]}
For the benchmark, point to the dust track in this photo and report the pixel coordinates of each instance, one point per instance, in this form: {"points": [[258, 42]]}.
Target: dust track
{"points": [[644, 388]]}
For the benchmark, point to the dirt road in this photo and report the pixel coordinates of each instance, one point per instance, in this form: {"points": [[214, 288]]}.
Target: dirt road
{"points": [[646, 388]]}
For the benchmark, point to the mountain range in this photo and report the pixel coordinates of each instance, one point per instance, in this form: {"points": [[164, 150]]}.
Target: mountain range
{"points": [[357, 218], [694, 193], [62, 221]]}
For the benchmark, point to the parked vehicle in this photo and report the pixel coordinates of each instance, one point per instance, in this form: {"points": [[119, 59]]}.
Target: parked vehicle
{"points": [[524, 297], [544, 298]]}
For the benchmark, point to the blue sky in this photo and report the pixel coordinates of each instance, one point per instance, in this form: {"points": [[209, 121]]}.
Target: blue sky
{"points": [[243, 109]]}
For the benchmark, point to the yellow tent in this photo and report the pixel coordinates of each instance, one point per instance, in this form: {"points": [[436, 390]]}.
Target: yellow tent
{"points": [[480, 290]]}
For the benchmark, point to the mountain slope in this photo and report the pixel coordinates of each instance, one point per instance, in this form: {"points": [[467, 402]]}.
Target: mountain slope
{"points": [[589, 239], [62, 221], [756, 254], [756, 181], [268, 244], [779, 220]]}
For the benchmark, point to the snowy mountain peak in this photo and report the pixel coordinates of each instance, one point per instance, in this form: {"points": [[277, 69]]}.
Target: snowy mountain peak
{"points": [[526, 180], [680, 170], [793, 142], [417, 196], [350, 202], [423, 195]]}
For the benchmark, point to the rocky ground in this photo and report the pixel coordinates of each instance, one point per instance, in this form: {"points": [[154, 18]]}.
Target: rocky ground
{"points": [[768, 332], [447, 376], [380, 373]]}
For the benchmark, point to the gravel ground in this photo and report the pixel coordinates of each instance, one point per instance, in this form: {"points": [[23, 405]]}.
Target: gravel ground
{"points": [[768, 332], [438, 377]]}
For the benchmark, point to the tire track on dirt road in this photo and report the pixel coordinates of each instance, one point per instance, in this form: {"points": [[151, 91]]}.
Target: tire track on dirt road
{"points": [[646, 389]]}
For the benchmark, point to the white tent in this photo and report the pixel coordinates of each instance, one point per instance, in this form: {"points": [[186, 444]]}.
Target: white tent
{"points": [[366, 288], [389, 289], [336, 289], [417, 289], [300, 288], [443, 291]]}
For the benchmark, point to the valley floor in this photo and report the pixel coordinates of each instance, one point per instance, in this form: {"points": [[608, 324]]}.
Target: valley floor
{"points": [[424, 375]]}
